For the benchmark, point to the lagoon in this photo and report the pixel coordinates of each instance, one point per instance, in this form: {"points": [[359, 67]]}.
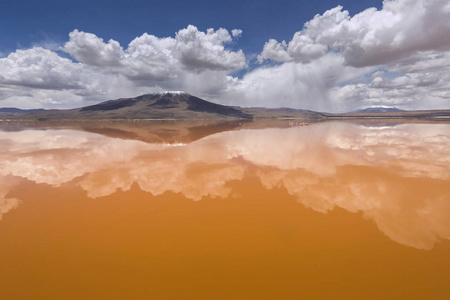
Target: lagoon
{"points": [[335, 210]]}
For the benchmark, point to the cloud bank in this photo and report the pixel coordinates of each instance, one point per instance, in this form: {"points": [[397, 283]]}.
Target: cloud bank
{"points": [[396, 56]]}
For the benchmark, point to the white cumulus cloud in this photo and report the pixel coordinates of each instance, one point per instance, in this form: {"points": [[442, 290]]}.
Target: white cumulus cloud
{"points": [[191, 49], [198, 50], [372, 37], [90, 49]]}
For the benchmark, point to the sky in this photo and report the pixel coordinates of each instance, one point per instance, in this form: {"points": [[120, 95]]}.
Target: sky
{"points": [[331, 56]]}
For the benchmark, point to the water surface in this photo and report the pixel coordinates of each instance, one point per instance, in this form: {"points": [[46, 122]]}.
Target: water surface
{"points": [[335, 210]]}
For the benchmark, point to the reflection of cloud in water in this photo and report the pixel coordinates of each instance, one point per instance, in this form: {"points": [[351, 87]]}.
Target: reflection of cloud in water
{"points": [[58, 156], [7, 203], [193, 181], [397, 176], [411, 211], [415, 150]]}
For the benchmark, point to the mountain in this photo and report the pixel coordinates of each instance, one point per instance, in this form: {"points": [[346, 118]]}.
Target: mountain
{"points": [[166, 105], [161, 105], [377, 109]]}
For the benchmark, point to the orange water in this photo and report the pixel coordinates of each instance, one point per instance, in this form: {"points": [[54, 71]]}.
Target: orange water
{"points": [[336, 211]]}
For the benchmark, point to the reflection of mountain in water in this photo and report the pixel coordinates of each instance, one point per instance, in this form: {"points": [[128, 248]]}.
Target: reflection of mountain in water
{"points": [[160, 131], [398, 177]]}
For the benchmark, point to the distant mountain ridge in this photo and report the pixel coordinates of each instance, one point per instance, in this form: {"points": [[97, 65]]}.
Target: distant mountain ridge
{"points": [[377, 109], [5, 111]]}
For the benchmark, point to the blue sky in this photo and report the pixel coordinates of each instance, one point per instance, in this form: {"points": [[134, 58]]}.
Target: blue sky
{"points": [[25, 23], [328, 55]]}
